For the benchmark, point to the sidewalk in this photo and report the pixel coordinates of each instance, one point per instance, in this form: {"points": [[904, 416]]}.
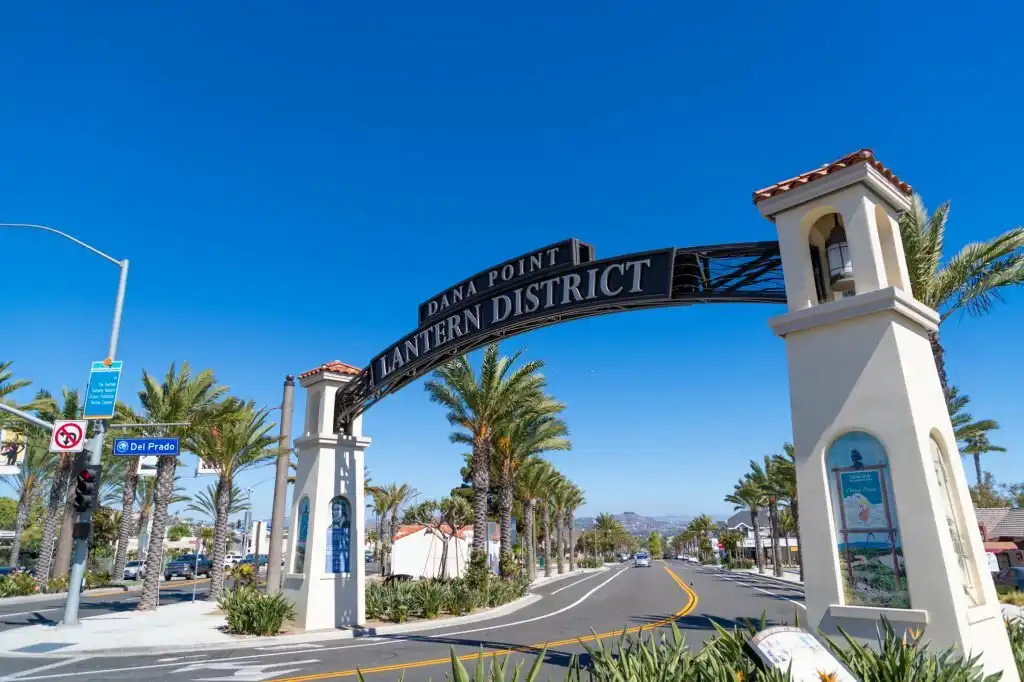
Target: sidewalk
{"points": [[791, 577], [198, 626]]}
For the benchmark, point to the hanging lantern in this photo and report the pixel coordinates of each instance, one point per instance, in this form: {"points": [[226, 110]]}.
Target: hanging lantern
{"points": [[840, 268]]}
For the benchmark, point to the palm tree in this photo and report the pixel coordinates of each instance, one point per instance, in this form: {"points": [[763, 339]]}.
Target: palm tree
{"points": [[205, 501], [559, 499], [787, 527], [574, 499], [785, 470], [701, 527], [747, 496], [608, 529], [34, 474], [531, 485], [480, 407], [180, 398], [241, 440], [144, 495], [971, 281], [977, 445], [48, 409], [767, 477], [395, 498], [380, 507], [535, 430]]}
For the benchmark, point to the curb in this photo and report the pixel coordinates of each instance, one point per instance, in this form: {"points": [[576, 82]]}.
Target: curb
{"points": [[110, 590], [781, 581], [253, 642]]}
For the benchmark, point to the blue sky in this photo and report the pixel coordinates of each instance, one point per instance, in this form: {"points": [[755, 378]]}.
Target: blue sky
{"points": [[291, 181]]}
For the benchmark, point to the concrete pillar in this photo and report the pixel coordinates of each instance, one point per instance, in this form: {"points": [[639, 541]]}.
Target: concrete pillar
{"points": [[324, 569], [875, 449]]}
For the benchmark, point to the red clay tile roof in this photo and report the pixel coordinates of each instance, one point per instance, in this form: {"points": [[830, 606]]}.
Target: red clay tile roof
{"points": [[335, 366], [860, 156], [412, 529]]}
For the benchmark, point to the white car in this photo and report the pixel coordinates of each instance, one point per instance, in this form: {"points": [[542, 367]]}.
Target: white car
{"points": [[134, 570], [231, 559], [642, 560]]}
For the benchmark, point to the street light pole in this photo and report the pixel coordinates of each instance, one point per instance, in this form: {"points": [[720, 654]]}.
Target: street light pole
{"points": [[81, 550], [280, 488]]}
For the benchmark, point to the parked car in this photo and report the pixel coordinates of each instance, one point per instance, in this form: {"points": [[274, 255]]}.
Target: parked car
{"points": [[189, 567], [1012, 576], [231, 560], [135, 570], [642, 560], [261, 560]]}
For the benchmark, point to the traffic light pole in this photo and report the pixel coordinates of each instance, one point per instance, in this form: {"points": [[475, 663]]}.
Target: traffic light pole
{"points": [[83, 528]]}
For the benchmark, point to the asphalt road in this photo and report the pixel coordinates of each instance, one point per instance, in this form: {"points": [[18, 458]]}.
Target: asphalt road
{"points": [[572, 609], [51, 611]]}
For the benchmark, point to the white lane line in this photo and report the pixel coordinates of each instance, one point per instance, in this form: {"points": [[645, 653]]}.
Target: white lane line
{"points": [[50, 666], [334, 648], [575, 583], [29, 613], [770, 594]]}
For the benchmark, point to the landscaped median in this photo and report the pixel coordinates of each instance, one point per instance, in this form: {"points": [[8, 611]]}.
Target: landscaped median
{"points": [[20, 586], [203, 625]]}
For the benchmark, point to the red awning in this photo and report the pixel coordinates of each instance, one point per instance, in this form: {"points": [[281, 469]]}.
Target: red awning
{"points": [[1000, 546]]}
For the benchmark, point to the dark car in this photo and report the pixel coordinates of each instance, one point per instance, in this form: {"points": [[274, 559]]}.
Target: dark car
{"points": [[189, 567], [1012, 576], [261, 560]]}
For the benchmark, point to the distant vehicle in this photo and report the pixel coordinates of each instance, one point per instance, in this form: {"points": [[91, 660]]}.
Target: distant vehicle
{"points": [[368, 557], [623, 557], [1012, 576], [189, 567], [231, 560], [135, 570], [680, 557], [259, 561], [642, 560]]}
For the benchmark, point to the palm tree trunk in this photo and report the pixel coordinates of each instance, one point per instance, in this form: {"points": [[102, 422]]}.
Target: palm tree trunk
{"points": [[531, 539], [124, 528], [560, 551], [569, 523], [480, 463], [505, 494], [773, 518], [547, 540], [140, 531], [794, 509], [164, 488], [20, 523], [939, 355], [54, 510], [65, 541], [757, 542], [977, 467], [220, 534]]}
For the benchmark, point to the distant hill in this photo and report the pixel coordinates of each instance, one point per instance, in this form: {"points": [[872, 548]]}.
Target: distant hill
{"points": [[637, 524]]}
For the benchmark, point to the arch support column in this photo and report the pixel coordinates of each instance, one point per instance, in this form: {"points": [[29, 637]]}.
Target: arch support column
{"points": [[887, 526], [324, 572]]}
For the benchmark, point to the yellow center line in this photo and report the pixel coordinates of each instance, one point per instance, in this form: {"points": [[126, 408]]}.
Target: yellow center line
{"points": [[691, 604]]}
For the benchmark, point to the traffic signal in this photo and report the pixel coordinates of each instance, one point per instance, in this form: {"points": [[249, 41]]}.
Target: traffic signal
{"points": [[86, 486]]}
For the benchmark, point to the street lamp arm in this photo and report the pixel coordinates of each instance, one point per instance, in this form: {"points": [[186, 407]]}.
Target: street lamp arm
{"points": [[66, 236]]}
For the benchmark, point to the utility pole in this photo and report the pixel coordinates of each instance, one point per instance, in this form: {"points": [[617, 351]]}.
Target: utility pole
{"points": [[83, 528], [280, 488]]}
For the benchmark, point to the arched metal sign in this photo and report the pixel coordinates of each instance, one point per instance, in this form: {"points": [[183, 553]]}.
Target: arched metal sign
{"points": [[558, 283]]}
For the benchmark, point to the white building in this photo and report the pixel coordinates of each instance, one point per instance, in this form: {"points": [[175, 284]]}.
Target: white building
{"points": [[418, 551]]}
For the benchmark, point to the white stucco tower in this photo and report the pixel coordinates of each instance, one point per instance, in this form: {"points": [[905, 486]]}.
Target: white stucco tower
{"points": [[324, 571], [887, 526]]}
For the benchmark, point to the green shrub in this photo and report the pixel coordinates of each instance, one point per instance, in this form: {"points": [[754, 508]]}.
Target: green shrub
{"points": [[58, 584], [1015, 630], [478, 572], [250, 612], [243, 575], [95, 579], [17, 585], [463, 598], [731, 562], [431, 598], [375, 597], [589, 562]]}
